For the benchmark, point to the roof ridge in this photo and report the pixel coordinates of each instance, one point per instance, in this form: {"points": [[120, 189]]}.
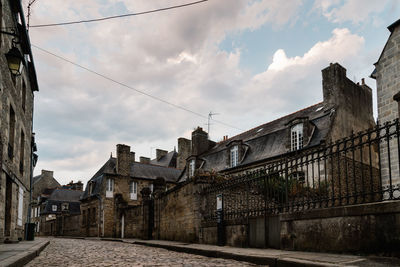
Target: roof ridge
{"points": [[280, 118], [154, 165]]}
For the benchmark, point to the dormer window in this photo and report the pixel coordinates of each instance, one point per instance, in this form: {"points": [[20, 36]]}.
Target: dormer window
{"points": [[296, 137], [192, 167], [234, 156]]}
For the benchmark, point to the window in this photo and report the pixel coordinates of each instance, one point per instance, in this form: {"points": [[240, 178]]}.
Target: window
{"points": [[109, 188], [192, 167], [65, 206], [151, 188], [234, 156], [22, 152], [296, 137], [54, 207], [11, 133], [133, 190], [20, 205], [23, 95]]}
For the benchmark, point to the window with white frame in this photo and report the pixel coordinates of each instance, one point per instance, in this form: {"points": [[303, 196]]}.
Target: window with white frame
{"points": [[133, 190], [20, 205], [192, 167], [54, 207], [296, 137], [234, 156], [109, 187]]}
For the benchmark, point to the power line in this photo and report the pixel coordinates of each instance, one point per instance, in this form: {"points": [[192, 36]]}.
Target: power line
{"points": [[118, 16], [132, 88]]}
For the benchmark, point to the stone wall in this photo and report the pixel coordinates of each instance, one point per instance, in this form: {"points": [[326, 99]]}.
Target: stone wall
{"points": [[368, 228], [177, 214], [388, 85], [16, 93]]}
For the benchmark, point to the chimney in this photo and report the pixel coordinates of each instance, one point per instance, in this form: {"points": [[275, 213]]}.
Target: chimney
{"points": [[123, 159], [160, 153], [144, 160], [200, 142], [362, 81], [48, 174], [333, 81], [132, 155], [184, 151]]}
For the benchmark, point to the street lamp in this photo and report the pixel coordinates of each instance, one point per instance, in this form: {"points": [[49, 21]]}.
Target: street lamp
{"points": [[14, 57], [14, 60]]}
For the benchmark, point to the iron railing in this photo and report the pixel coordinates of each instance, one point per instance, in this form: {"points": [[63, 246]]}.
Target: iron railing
{"points": [[361, 168]]}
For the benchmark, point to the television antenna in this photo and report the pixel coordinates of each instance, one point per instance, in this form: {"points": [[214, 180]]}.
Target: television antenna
{"points": [[209, 123]]}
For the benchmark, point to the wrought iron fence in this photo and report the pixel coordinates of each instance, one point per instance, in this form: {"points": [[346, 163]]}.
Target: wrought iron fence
{"points": [[361, 168]]}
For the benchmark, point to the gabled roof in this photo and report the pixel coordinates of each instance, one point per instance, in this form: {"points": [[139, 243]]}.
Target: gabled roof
{"points": [[268, 140], [167, 160], [391, 29]]}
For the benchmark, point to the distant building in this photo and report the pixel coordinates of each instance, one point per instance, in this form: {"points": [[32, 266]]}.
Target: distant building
{"points": [[18, 83], [60, 213], [117, 185], [42, 187], [387, 75]]}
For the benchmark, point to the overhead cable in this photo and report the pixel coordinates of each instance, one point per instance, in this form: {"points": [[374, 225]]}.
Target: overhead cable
{"points": [[132, 88], [115, 17]]}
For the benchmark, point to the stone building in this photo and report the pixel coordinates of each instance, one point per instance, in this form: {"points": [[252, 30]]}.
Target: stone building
{"points": [[18, 83], [117, 185], [386, 73], [346, 109], [60, 213], [42, 186]]}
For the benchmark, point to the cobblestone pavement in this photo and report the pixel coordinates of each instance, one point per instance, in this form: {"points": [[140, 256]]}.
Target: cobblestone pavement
{"points": [[77, 252]]}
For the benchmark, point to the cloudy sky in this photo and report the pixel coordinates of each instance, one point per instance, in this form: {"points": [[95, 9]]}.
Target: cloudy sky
{"points": [[250, 61]]}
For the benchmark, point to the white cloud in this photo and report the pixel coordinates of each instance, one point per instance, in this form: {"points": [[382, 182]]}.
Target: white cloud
{"points": [[355, 11], [79, 117]]}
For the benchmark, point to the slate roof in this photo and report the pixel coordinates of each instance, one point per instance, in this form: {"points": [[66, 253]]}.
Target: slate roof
{"points": [[167, 160], [60, 196], [150, 171], [268, 140]]}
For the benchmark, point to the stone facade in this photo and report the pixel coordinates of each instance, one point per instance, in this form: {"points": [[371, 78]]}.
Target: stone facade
{"points": [[387, 77], [16, 108]]}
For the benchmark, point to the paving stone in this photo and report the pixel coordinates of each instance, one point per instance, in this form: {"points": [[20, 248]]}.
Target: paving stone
{"points": [[77, 252]]}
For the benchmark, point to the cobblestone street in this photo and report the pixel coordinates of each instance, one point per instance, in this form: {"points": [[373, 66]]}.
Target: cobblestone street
{"points": [[76, 252]]}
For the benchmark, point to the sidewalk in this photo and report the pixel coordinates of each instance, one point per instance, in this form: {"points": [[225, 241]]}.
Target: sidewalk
{"points": [[21, 253], [271, 257]]}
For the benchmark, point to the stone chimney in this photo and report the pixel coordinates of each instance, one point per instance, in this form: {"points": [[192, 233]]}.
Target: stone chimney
{"points": [[47, 174], [184, 151], [350, 103], [333, 80], [160, 153], [124, 157], [144, 160], [200, 142]]}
